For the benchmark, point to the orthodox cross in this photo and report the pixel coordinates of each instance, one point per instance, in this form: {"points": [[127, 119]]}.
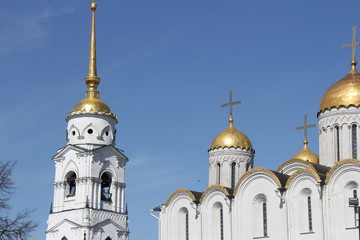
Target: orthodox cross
{"points": [[230, 104], [305, 127], [353, 44]]}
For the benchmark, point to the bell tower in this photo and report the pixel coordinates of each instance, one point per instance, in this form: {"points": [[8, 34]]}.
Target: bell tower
{"points": [[89, 187]]}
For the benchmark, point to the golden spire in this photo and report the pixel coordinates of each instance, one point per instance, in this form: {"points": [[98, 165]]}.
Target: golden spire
{"points": [[353, 52], [92, 80], [305, 127], [230, 104]]}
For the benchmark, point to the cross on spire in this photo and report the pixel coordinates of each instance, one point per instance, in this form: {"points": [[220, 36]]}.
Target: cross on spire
{"points": [[353, 45], [230, 104], [305, 127]]}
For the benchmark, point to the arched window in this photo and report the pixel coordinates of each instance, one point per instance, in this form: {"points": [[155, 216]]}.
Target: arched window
{"points": [[233, 171], [108, 238], [351, 214], [70, 184], [304, 213], [64, 238], [105, 186], [337, 142], [217, 221], [354, 139], [218, 173], [260, 216], [183, 224], [309, 214]]}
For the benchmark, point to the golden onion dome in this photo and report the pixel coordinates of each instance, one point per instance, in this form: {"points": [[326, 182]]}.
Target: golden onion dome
{"points": [[345, 92], [231, 137], [306, 154], [91, 105]]}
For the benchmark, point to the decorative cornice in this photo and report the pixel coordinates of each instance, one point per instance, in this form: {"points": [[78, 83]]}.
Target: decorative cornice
{"points": [[337, 165], [214, 187], [233, 147], [182, 190], [255, 170], [302, 171]]}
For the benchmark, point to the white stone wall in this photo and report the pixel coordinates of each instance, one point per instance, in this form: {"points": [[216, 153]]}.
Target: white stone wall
{"points": [[243, 158], [344, 118], [287, 209]]}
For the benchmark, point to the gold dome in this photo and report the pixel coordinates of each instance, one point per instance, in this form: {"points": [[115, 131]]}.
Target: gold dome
{"points": [[345, 92], [306, 154], [91, 105], [231, 137]]}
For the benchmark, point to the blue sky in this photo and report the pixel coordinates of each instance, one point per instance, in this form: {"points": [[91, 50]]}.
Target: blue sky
{"points": [[166, 66]]}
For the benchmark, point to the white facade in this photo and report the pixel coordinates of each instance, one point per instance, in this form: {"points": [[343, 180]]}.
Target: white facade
{"points": [[89, 188], [300, 200]]}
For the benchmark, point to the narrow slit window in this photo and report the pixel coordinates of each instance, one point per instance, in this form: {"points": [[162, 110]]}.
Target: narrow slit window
{"points": [[221, 224], [265, 229], [218, 173], [309, 214], [354, 141], [356, 210], [233, 171], [337, 136], [187, 226]]}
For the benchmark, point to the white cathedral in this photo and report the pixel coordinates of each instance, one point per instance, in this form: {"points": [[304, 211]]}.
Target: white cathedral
{"points": [[307, 197], [89, 187]]}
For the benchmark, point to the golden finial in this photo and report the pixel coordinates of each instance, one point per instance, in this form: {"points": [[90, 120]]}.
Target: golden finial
{"points": [[92, 80], [305, 127], [230, 104], [353, 52]]}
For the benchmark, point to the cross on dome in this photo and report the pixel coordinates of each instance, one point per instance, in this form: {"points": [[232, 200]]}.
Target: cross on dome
{"points": [[230, 104], [353, 46], [305, 127]]}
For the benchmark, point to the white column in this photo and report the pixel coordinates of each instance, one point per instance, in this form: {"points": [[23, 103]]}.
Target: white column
{"points": [[330, 146], [345, 142], [122, 199], [97, 193], [62, 195], [120, 186], [114, 190], [56, 196]]}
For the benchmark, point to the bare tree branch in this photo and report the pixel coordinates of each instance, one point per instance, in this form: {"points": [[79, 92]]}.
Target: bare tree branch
{"points": [[19, 227]]}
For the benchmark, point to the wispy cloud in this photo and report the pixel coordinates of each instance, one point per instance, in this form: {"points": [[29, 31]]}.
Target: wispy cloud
{"points": [[137, 55], [24, 31]]}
